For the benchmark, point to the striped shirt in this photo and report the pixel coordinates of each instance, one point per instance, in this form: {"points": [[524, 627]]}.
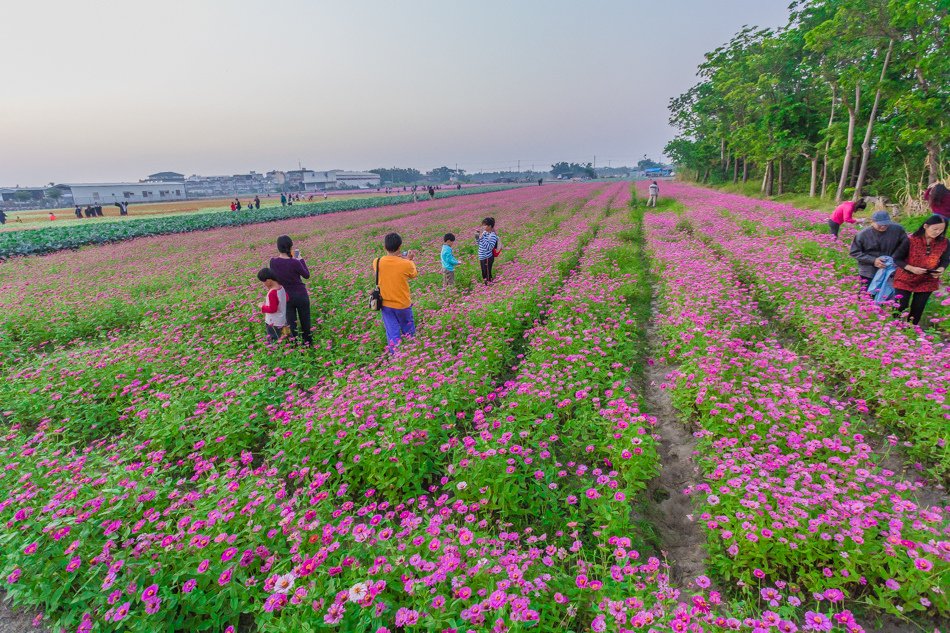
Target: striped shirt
{"points": [[486, 244]]}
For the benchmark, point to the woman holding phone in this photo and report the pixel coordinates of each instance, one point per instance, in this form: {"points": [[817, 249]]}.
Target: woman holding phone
{"points": [[920, 261], [290, 270]]}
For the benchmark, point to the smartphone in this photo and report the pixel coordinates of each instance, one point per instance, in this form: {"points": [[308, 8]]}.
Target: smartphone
{"points": [[405, 253], [297, 253]]}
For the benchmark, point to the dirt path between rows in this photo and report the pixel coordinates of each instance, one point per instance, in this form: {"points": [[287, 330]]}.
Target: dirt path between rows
{"points": [[682, 538], [17, 621]]}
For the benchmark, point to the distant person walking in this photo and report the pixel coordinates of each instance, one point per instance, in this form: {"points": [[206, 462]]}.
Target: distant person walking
{"points": [[283, 199], [237, 203], [99, 210], [290, 270], [395, 271], [488, 248], [52, 216], [654, 194], [123, 207], [431, 193], [938, 196], [920, 261], [844, 214], [870, 246], [233, 206], [3, 217], [88, 211], [540, 181], [448, 261], [257, 202], [78, 212]]}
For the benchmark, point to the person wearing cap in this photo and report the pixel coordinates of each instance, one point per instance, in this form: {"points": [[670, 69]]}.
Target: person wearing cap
{"points": [[882, 239], [844, 214]]}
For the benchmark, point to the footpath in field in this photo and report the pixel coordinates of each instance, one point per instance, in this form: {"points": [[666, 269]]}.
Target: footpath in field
{"points": [[799, 508]]}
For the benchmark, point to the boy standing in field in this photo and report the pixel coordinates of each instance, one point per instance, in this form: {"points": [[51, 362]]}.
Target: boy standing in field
{"points": [[275, 305], [488, 248], [448, 261], [654, 194], [395, 271]]}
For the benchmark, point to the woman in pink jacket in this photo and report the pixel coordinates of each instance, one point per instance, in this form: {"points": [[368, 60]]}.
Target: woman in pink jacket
{"points": [[845, 214]]}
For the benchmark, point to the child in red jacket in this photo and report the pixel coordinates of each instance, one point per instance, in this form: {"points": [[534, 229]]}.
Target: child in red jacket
{"points": [[275, 305]]}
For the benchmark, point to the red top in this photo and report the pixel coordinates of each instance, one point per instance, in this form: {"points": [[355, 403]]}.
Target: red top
{"points": [[917, 256], [942, 208], [273, 302]]}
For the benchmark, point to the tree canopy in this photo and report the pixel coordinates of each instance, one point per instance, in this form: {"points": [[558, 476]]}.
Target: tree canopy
{"points": [[849, 97]]}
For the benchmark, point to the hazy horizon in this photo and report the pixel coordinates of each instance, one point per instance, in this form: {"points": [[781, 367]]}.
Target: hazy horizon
{"points": [[114, 91]]}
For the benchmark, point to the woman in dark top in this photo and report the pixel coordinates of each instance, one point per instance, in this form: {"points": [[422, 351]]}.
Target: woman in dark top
{"points": [[920, 261], [289, 268]]}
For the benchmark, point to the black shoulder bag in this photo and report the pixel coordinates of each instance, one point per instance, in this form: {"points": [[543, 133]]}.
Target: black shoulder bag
{"points": [[375, 297]]}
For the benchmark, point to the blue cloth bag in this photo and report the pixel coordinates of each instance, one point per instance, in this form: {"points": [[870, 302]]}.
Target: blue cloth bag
{"points": [[881, 287]]}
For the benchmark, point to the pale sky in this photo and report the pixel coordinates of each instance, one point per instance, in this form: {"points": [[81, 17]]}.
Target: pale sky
{"points": [[103, 90]]}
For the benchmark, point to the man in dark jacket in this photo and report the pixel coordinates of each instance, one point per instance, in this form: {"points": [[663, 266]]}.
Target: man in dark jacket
{"points": [[881, 239]]}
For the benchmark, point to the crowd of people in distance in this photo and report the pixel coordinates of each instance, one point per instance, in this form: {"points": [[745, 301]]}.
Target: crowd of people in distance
{"points": [[253, 204], [287, 301], [893, 265]]}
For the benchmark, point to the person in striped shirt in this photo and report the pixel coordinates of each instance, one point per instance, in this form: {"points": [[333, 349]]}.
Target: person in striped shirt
{"points": [[489, 246]]}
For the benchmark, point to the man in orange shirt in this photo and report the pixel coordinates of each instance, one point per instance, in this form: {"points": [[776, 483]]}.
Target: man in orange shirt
{"points": [[395, 271]]}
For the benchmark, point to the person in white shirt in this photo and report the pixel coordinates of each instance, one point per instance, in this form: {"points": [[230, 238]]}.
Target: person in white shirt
{"points": [[654, 194]]}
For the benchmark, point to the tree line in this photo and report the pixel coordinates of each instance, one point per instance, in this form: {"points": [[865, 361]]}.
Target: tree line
{"points": [[850, 97]]}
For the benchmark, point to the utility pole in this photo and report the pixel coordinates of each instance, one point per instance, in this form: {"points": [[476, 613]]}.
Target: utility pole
{"points": [[519, 165]]}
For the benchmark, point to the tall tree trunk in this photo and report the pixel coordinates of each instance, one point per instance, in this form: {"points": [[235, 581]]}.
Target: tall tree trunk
{"points": [[765, 178], [853, 178], [706, 176], [781, 173], [933, 149], [722, 153], [735, 170], [814, 177], [770, 178], [866, 145], [933, 162], [745, 170], [849, 148], [831, 119]]}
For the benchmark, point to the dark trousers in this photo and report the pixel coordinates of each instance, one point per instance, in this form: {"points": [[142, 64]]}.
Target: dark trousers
{"points": [[486, 265], [835, 227], [917, 301], [273, 332], [298, 307]]}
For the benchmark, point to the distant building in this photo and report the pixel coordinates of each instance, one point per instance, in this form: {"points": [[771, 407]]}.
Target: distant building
{"points": [[108, 193], [165, 176], [21, 194], [335, 179], [208, 186]]}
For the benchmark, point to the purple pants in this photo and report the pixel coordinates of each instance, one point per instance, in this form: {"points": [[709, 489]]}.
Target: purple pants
{"points": [[398, 322]]}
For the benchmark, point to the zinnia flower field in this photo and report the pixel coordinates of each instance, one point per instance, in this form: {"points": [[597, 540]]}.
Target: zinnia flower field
{"points": [[164, 468]]}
